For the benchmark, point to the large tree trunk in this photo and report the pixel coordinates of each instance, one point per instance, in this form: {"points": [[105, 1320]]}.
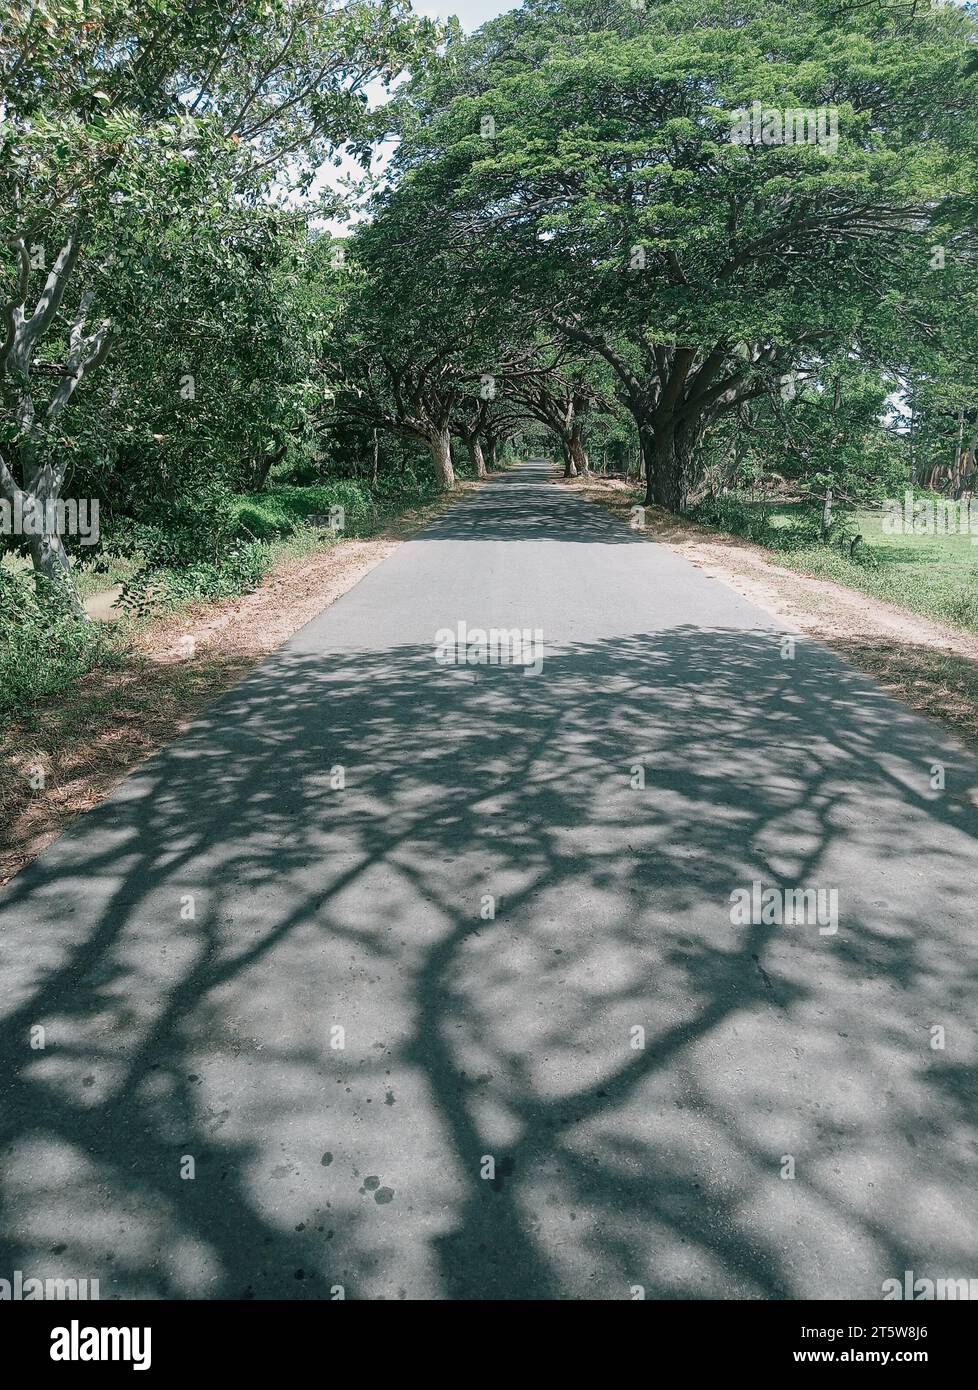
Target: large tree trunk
{"points": [[570, 467], [668, 455], [577, 452], [476, 457], [265, 465], [440, 445], [23, 334], [51, 562], [646, 444], [968, 469], [492, 461], [37, 503]]}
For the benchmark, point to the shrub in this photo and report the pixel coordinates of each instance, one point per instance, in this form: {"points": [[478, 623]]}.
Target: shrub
{"points": [[282, 509], [752, 520], [188, 547], [732, 513], [43, 646]]}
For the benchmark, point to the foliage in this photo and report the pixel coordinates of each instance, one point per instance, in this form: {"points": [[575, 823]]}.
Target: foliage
{"points": [[152, 162], [282, 509], [43, 646], [607, 194], [568, 243], [754, 522]]}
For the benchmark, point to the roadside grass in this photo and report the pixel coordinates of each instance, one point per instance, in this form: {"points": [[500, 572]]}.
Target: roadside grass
{"points": [[930, 576], [91, 577], [282, 509], [933, 575], [45, 655]]}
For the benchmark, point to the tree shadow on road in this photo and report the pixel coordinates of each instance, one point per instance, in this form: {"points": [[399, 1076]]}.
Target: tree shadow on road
{"points": [[500, 513], [565, 1072]]}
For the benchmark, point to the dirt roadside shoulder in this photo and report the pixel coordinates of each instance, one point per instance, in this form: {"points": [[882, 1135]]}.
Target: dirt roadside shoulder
{"points": [[930, 666]]}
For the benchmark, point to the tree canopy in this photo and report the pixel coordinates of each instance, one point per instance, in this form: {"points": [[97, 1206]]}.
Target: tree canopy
{"points": [[720, 238]]}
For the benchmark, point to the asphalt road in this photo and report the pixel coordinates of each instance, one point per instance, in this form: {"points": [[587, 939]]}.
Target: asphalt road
{"points": [[605, 1085]]}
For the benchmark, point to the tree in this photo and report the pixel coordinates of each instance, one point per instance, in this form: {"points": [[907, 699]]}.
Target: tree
{"points": [[561, 396], [700, 199], [425, 345], [150, 108]]}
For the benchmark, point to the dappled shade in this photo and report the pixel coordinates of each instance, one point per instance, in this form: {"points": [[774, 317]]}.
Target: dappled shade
{"points": [[615, 1166]]}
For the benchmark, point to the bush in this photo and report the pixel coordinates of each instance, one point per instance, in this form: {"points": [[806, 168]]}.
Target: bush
{"points": [[215, 544], [188, 529], [411, 486], [188, 547], [734, 514], [802, 529], [283, 508], [43, 646], [236, 572]]}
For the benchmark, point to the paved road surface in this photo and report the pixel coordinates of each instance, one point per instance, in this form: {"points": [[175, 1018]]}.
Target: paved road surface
{"points": [[518, 1038]]}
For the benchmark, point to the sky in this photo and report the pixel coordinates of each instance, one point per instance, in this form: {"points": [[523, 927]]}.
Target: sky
{"points": [[470, 13]]}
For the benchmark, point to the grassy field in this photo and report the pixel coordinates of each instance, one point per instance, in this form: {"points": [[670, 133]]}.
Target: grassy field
{"points": [[936, 575]]}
